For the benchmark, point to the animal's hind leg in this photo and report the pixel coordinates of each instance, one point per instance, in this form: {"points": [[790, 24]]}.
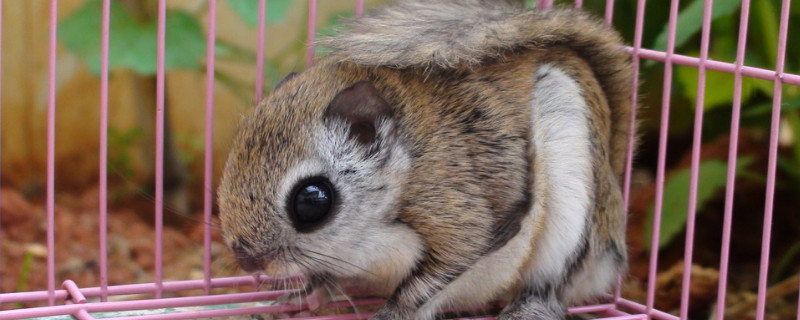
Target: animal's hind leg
{"points": [[534, 304]]}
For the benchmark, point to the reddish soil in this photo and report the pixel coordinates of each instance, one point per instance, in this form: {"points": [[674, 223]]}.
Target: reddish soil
{"points": [[131, 255]]}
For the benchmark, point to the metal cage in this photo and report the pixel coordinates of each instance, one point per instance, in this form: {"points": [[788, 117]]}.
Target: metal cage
{"points": [[68, 300]]}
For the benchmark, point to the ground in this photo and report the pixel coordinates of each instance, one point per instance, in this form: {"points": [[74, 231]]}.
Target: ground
{"points": [[131, 255]]}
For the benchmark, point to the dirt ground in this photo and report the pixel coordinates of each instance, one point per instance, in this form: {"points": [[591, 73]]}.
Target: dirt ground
{"points": [[131, 253], [131, 241]]}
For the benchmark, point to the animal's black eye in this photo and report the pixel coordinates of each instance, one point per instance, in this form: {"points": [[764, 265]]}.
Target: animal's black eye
{"points": [[312, 201]]}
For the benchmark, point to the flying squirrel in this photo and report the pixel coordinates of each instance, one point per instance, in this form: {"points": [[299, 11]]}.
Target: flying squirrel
{"points": [[444, 153]]}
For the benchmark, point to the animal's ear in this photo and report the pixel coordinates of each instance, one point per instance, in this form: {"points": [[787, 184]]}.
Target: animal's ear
{"points": [[287, 77], [362, 107]]}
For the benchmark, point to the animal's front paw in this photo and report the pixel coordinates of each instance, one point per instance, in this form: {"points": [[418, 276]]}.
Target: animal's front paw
{"points": [[531, 315], [384, 316], [314, 298], [532, 309], [391, 312]]}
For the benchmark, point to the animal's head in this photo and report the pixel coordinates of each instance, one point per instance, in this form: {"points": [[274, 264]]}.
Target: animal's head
{"points": [[313, 180]]}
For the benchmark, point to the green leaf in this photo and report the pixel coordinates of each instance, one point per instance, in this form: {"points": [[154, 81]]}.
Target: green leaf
{"points": [[690, 21], [80, 32], [765, 18], [785, 263], [186, 41], [790, 103], [711, 179], [186, 45], [25, 272], [719, 87], [786, 164], [132, 44], [248, 10]]}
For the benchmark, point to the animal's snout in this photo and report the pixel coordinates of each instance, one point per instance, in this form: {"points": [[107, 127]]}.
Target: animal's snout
{"points": [[246, 260]]}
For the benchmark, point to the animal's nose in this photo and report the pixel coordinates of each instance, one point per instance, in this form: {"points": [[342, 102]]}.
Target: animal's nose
{"points": [[246, 260]]}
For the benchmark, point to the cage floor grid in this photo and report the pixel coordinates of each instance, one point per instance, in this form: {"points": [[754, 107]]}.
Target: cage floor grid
{"points": [[252, 305]]}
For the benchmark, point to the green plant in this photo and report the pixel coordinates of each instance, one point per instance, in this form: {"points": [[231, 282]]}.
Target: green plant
{"points": [[248, 10], [190, 147], [712, 175], [25, 272], [690, 21], [133, 43], [120, 156], [756, 94]]}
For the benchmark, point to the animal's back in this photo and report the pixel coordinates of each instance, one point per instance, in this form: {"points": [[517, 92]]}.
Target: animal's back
{"points": [[465, 34]]}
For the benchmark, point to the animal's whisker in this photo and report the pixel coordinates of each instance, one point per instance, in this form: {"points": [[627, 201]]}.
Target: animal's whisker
{"points": [[340, 260], [328, 264], [341, 290], [304, 265]]}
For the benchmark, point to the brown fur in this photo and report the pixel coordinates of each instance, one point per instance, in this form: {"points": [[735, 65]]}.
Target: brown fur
{"points": [[463, 113], [399, 37]]}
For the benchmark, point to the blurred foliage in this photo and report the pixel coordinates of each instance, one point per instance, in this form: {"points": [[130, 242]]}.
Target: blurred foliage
{"points": [[756, 95], [248, 11], [22, 283], [134, 43], [329, 28], [711, 179], [192, 147], [690, 21], [120, 157]]}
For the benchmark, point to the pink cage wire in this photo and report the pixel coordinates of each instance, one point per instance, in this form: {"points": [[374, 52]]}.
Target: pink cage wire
{"points": [[80, 303]]}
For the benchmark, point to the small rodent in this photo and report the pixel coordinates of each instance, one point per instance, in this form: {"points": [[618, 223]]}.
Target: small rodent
{"points": [[445, 153]]}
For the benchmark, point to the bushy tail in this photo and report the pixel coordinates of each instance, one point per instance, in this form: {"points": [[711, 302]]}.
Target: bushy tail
{"points": [[446, 34]]}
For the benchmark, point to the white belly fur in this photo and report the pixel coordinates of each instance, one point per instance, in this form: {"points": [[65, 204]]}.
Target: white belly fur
{"points": [[562, 159], [562, 144]]}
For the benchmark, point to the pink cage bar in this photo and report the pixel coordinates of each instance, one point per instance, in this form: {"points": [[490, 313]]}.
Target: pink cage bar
{"points": [[71, 300]]}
